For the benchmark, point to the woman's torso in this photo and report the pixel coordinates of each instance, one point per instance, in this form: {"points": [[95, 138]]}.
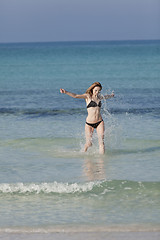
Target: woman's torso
{"points": [[93, 108]]}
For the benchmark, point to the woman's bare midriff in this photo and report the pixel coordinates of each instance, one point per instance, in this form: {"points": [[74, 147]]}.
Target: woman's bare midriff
{"points": [[94, 115]]}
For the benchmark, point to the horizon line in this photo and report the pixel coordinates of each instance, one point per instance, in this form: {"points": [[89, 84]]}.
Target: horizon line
{"points": [[68, 41]]}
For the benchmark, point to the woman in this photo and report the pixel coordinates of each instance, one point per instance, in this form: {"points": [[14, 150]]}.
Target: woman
{"points": [[94, 119]]}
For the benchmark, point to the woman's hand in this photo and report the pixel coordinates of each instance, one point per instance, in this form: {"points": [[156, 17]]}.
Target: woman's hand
{"points": [[109, 95], [112, 94], [62, 90]]}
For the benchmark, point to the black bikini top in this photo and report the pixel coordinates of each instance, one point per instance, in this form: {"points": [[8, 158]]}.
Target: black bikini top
{"points": [[94, 104]]}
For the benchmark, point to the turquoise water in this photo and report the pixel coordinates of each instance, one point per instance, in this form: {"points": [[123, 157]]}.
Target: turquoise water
{"points": [[45, 178]]}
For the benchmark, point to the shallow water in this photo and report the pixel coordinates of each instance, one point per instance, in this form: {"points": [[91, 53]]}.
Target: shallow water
{"points": [[46, 179]]}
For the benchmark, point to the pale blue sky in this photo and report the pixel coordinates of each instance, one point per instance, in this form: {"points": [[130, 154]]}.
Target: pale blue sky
{"points": [[76, 20]]}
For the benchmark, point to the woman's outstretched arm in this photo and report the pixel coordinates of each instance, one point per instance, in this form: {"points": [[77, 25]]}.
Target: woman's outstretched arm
{"points": [[83, 96]]}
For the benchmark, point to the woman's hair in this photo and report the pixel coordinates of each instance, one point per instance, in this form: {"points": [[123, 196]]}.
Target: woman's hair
{"points": [[90, 89]]}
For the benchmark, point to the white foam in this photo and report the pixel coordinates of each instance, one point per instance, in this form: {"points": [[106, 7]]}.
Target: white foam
{"points": [[54, 187]]}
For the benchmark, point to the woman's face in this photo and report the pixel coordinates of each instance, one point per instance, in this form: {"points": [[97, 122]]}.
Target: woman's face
{"points": [[96, 91]]}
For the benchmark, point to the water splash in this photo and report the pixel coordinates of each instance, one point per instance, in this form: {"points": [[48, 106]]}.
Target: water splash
{"points": [[113, 130]]}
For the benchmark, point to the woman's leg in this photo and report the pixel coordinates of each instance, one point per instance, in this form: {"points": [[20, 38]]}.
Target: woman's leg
{"points": [[100, 132], [88, 132]]}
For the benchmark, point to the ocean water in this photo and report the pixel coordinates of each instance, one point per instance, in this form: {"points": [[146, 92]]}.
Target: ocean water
{"points": [[45, 178]]}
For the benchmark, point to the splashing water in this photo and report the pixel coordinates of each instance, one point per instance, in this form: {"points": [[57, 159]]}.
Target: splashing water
{"points": [[113, 129]]}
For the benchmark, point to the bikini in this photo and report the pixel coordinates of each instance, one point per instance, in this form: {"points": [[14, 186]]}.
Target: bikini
{"points": [[94, 104]]}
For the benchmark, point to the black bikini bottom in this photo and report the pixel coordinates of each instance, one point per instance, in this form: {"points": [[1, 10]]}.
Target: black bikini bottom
{"points": [[94, 125]]}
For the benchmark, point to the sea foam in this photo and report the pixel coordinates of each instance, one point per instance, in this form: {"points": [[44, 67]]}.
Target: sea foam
{"points": [[54, 187]]}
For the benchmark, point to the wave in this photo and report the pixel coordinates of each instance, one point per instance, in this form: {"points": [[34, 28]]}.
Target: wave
{"points": [[136, 111], [39, 112], [54, 187], [96, 188]]}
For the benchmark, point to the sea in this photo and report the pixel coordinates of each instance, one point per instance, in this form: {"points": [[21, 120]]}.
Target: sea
{"points": [[47, 182]]}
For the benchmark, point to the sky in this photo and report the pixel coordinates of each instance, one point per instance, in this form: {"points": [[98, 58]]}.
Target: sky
{"points": [[78, 20]]}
